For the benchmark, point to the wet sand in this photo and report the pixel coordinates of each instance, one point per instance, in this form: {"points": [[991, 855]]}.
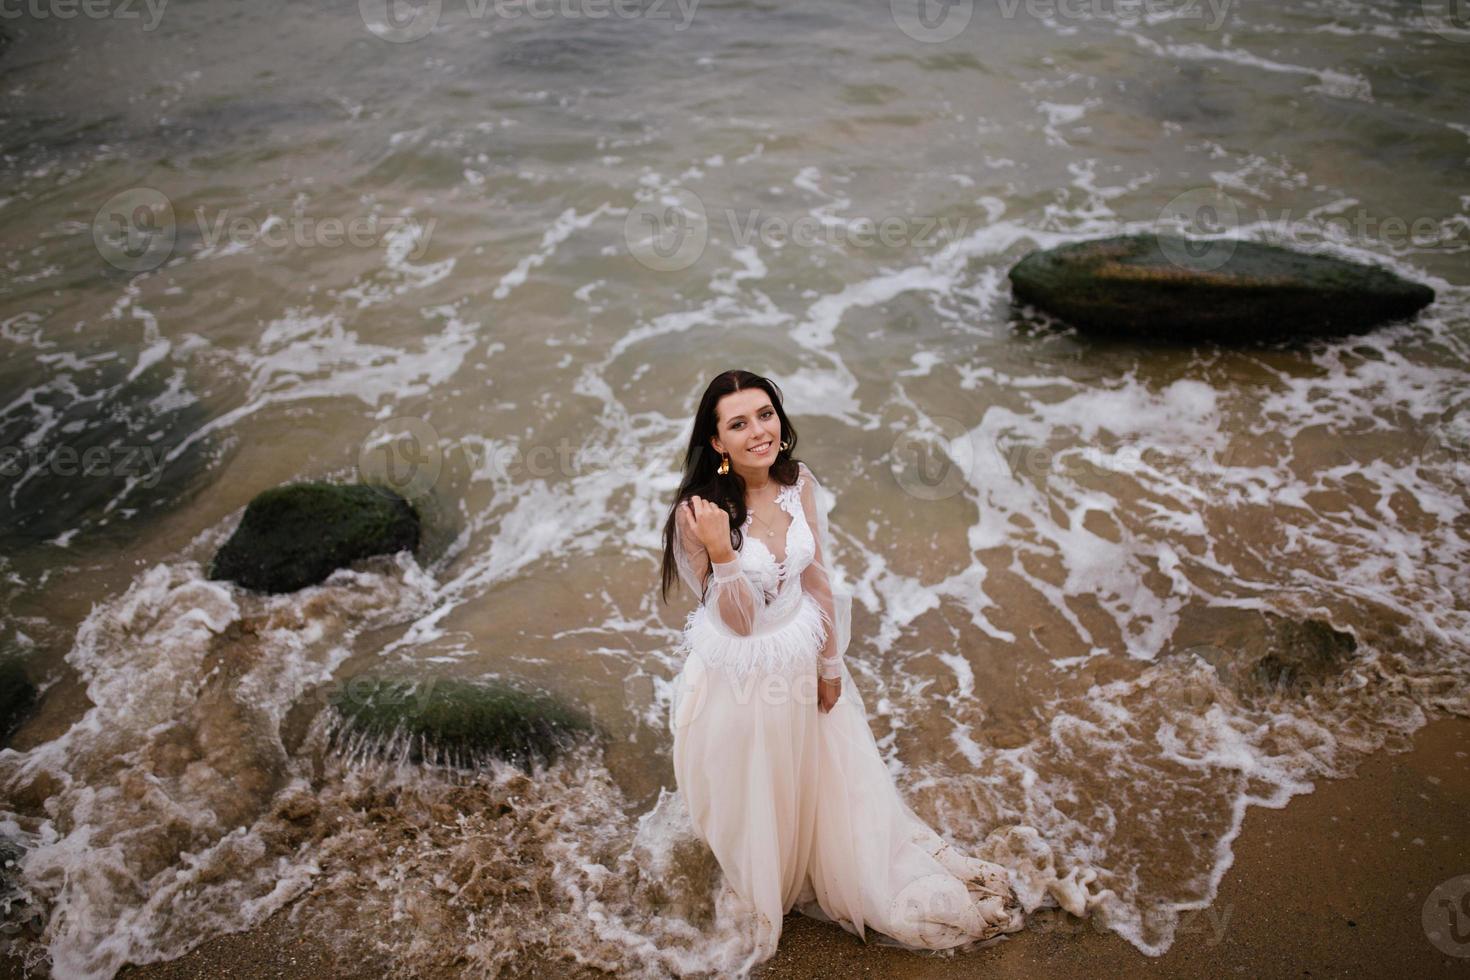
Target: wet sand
{"points": [[1333, 885], [1322, 888]]}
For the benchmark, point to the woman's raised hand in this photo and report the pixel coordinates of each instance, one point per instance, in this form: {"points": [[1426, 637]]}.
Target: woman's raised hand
{"points": [[712, 527]]}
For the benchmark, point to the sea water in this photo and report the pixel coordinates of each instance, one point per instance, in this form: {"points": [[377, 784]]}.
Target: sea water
{"points": [[504, 246]]}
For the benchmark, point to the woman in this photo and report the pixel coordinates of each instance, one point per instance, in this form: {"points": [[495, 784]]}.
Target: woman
{"points": [[772, 751]]}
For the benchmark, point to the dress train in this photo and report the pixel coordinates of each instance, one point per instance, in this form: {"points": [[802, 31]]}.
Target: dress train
{"points": [[802, 813]]}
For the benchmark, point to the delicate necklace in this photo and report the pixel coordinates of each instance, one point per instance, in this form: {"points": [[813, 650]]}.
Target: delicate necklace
{"points": [[772, 532]]}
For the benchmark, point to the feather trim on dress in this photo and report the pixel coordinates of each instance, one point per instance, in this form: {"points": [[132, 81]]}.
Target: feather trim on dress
{"points": [[789, 647]]}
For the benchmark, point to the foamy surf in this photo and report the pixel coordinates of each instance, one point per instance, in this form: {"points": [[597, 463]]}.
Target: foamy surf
{"points": [[1066, 553]]}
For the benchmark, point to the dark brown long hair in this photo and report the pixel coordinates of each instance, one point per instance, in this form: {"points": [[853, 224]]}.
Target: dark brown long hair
{"points": [[701, 464]]}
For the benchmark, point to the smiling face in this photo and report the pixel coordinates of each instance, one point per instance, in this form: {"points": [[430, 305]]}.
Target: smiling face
{"points": [[748, 428]]}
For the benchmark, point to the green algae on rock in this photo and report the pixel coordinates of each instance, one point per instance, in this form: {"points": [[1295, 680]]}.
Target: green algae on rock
{"points": [[1168, 288], [454, 722], [296, 535]]}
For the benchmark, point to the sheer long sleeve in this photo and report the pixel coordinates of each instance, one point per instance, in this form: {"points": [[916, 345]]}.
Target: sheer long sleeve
{"points": [[819, 581], [722, 586]]}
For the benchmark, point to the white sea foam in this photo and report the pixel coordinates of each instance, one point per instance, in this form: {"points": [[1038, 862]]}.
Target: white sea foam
{"points": [[1339, 84], [568, 223], [1325, 483]]}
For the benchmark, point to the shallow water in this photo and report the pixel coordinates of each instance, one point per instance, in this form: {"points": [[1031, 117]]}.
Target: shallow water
{"points": [[245, 244]]}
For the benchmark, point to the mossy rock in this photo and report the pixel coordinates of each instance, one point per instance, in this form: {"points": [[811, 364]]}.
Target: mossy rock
{"points": [[1169, 288], [297, 535], [17, 696], [1303, 653], [456, 722], [1255, 652]]}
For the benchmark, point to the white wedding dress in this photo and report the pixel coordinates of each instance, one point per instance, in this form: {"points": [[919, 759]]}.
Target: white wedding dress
{"points": [[796, 804]]}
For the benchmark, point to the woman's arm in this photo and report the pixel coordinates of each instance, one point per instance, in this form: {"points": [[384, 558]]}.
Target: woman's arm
{"points": [[723, 586], [816, 579]]}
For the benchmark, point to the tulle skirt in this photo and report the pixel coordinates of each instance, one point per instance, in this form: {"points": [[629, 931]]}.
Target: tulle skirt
{"points": [[800, 809]]}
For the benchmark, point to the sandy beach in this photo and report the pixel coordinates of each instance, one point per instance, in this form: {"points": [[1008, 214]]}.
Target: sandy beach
{"points": [[1334, 885], [1331, 886], [356, 360]]}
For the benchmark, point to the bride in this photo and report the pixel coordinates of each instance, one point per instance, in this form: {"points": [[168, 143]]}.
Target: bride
{"points": [[772, 751]]}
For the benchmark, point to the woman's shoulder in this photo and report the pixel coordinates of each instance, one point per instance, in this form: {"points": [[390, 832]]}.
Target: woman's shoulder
{"points": [[806, 486]]}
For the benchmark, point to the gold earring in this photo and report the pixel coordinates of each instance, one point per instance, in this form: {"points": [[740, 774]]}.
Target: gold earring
{"points": [[724, 464], [785, 445]]}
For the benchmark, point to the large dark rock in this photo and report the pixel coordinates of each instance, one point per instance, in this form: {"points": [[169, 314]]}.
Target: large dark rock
{"points": [[1302, 653], [1170, 288], [17, 696], [456, 722], [1256, 653], [297, 535], [84, 447]]}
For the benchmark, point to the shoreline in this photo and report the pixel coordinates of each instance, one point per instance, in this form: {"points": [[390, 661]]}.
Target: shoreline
{"points": [[1321, 887], [1333, 884]]}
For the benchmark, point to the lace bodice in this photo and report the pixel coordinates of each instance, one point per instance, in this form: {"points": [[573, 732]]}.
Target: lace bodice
{"points": [[775, 577], [754, 595]]}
